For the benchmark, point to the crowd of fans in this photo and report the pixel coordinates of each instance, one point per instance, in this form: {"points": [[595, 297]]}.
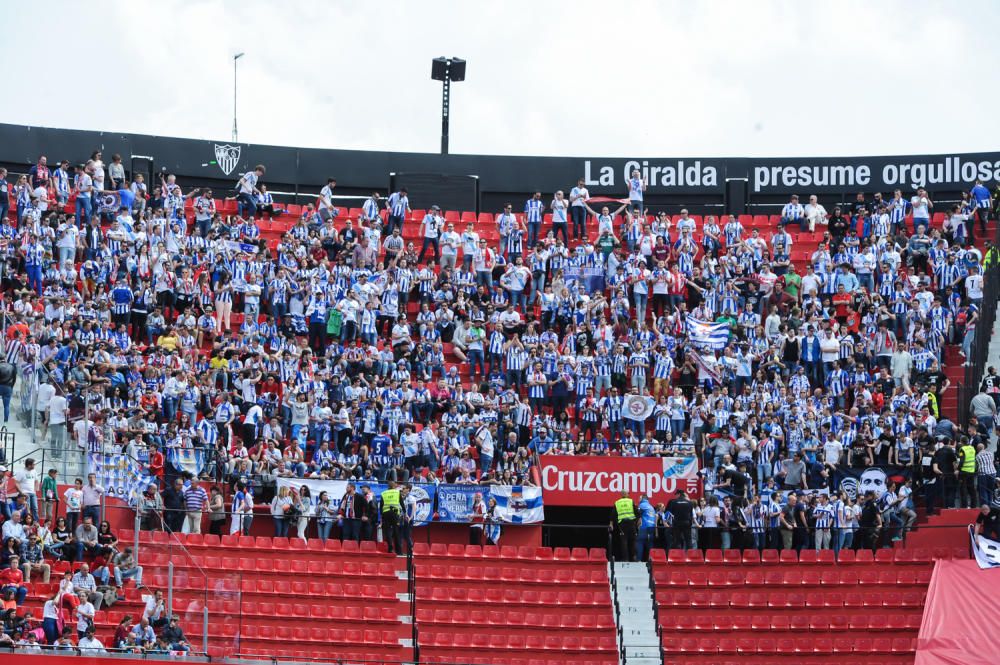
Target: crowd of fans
{"points": [[126, 308], [154, 322]]}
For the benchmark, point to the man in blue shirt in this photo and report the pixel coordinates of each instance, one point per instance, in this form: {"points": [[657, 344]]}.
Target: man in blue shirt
{"points": [[984, 203], [647, 528]]}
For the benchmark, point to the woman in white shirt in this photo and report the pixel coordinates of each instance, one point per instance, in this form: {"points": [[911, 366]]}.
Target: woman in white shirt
{"points": [[711, 517]]}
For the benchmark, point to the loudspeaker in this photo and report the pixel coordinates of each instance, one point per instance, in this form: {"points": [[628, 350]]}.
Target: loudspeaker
{"points": [[736, 196], [439, 67], [457, 72]]}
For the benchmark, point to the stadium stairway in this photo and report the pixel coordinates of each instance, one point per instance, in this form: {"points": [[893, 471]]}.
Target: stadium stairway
{"points": [[637, 634]]}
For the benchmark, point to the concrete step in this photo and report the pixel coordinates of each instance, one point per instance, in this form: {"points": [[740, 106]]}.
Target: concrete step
{"points": [[637, 637], [642, 652], [636, 660]]}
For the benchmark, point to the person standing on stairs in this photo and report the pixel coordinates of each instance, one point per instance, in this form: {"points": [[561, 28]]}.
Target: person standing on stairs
{"points": [[967, 474], [647, 529], [625, 517]]}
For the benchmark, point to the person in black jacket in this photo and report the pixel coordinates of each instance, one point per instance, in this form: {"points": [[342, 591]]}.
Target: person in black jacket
{"points": [[173, 506], [352, 510], [8, 377], [369, 516], [683, 513]]}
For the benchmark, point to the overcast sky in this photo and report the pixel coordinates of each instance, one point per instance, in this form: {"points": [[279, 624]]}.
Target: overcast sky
{"points": [[635, 79]]}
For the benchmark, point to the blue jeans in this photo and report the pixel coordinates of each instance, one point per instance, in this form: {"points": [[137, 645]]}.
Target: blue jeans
{"points": [[351, 530], [20, 593], [537, 284], [641, 300], [476, 359], [518, 299], [324, 530], [280, 527], [533, 229], [34, 277], [247, 206], [485, 462], [82, 211], [5, 394]]}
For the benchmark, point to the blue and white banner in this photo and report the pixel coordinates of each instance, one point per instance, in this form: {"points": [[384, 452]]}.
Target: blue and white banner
{"points": [[422, 494], [591, 278], [239, 247], [455, 501], [119, 475], [515, 504], [703, 333], [191, 460]]}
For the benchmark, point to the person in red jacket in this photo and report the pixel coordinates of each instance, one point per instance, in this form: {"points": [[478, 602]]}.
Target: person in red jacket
{"points": [[156, 464], [12, 579]]}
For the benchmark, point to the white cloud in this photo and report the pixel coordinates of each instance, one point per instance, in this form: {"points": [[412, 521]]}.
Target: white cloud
{"points": [[581, 78]]}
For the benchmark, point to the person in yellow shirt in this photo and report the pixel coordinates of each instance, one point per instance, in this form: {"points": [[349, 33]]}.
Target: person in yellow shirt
{"points": [[169, 340], [624, 513]]}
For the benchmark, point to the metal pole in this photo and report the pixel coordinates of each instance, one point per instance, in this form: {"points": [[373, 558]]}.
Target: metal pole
{"points": [[138, 524], [445, 107], [170, 588], [204, 628], [235, 58], [235, 133]]}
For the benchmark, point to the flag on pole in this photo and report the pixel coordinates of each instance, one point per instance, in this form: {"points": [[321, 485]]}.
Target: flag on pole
{"points": [[703, 333], [638, 407]]}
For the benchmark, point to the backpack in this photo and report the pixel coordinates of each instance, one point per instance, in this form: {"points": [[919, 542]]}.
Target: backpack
{"points": [[8, 374]]}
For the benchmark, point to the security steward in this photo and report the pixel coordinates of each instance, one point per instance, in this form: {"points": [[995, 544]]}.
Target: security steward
{"points": [[967, 492], [391, 511], [624, 518]]}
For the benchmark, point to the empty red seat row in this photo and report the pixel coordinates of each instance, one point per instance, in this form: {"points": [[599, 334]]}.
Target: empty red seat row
{"points": [[784, 576], [509, 552], [513, 618], [762, 622], [444, 594], [294, 566], [919, 555], [567, 643], [329, 612], [272, 653], [790, 599], [327, 589], [431, 656], [788, 645], [259, 542], [322, 634], [523, 574]]}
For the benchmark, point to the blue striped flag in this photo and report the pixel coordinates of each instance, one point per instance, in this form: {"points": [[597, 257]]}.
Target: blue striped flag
{"points": [[711, 335], [191, 460]]}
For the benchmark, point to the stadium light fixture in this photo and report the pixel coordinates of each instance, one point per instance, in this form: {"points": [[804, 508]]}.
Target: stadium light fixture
{"points": [[446, 70]]}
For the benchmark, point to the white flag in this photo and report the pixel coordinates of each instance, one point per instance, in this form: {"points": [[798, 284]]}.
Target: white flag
{"points": [[638, 407], [987, 551]]}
